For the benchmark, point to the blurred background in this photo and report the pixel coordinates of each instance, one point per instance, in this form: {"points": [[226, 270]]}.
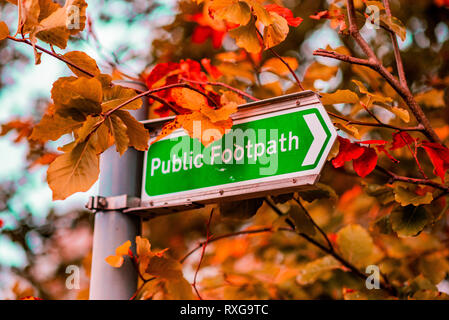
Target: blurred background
{"points": [[40, 238]]}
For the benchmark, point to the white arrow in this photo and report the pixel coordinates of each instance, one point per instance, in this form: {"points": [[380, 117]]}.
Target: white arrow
{"points": [[319, 137]]}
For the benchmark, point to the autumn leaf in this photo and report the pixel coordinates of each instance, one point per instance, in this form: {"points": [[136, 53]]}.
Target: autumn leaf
{"points": [[116, 96], [118, 130], [117, 260], [221, 114], [285, 13], [439, 156], [348, 128], [276, 32], [355, 244], [189, 99], [233, 11], [74, 171], [77, 97], [54, 28], [83, 61], [366, 163], [394, 24], [137, 134], [4, 31], [52, 127], [405, 196], [201, 127], [276, 66], [311, 271], [401, 139], [433, 98], [339, 96], [409, 221], [300, 219], [348, 151], [246, 37]]}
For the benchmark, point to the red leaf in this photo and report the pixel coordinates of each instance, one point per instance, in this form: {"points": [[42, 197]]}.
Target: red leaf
{"points": [[320, 15], [1, 223], [366, 163], [401, 139], [381, 148], [439, 156], [381, 142], [287, 14], [348, 151], [212, 70], [201, 34], [159, 71]]}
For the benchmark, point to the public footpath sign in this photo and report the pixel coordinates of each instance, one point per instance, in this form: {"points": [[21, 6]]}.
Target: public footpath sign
{"points": [[275, 146]]}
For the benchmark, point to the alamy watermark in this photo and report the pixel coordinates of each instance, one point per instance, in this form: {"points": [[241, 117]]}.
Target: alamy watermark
{"points": [[72, 281]]}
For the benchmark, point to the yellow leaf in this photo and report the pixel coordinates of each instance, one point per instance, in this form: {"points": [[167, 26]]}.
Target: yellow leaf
{"points": [[320, 71], [83, 61], [169, 128], [233, 11], [355, 245], [276, 32], [340, 96], [433, 98], [117, 95], [137, 133], [123, 249], [373, 97], [231, 97], [28, 15], [56, 28], [189, 99], [52, 127], [118, 130], [221, 114], [246, 37], [4, 31], [394, 24], [74, 171], [405, 196], [261, 13], [115, 261], [202, 128], [310, 272], [77, 97], [143, 247], [349, 129], [275, 65], [403, 114]]}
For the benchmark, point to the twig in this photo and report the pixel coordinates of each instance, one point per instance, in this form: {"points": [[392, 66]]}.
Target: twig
{"points": [[224, 236], [397, 53], [374, 63], [57, 56], [419, 128], [394, 177], [208, 236], [334, 254], [329, 243], [298, 82], [224, 85]]}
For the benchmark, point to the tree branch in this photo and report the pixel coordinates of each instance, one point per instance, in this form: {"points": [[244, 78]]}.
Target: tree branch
{"points": [[374, 63], [298, 82], [57, 56], [418, 128], [394, 177], [397, 53], [224, 85]]}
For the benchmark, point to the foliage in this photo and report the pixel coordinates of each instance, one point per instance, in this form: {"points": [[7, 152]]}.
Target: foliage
{"points": [[382, 199]]}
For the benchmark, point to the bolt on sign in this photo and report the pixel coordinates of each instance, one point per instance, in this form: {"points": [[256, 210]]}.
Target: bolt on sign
{"points": [[275, 146]]}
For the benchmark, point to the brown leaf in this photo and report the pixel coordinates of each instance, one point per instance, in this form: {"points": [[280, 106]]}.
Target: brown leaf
{"points": [[83, 61], [52, 127], [137, 133], [4, 31], [74, 171], [118, 130]]}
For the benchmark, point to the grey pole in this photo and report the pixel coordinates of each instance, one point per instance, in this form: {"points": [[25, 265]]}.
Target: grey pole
{"points": [[118, 175]]}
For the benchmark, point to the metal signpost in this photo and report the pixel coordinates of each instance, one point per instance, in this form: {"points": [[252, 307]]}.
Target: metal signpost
{"points": [[275, 146]]}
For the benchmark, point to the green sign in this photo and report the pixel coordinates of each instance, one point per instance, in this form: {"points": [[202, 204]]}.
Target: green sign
{"points": [[259, 150]]}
